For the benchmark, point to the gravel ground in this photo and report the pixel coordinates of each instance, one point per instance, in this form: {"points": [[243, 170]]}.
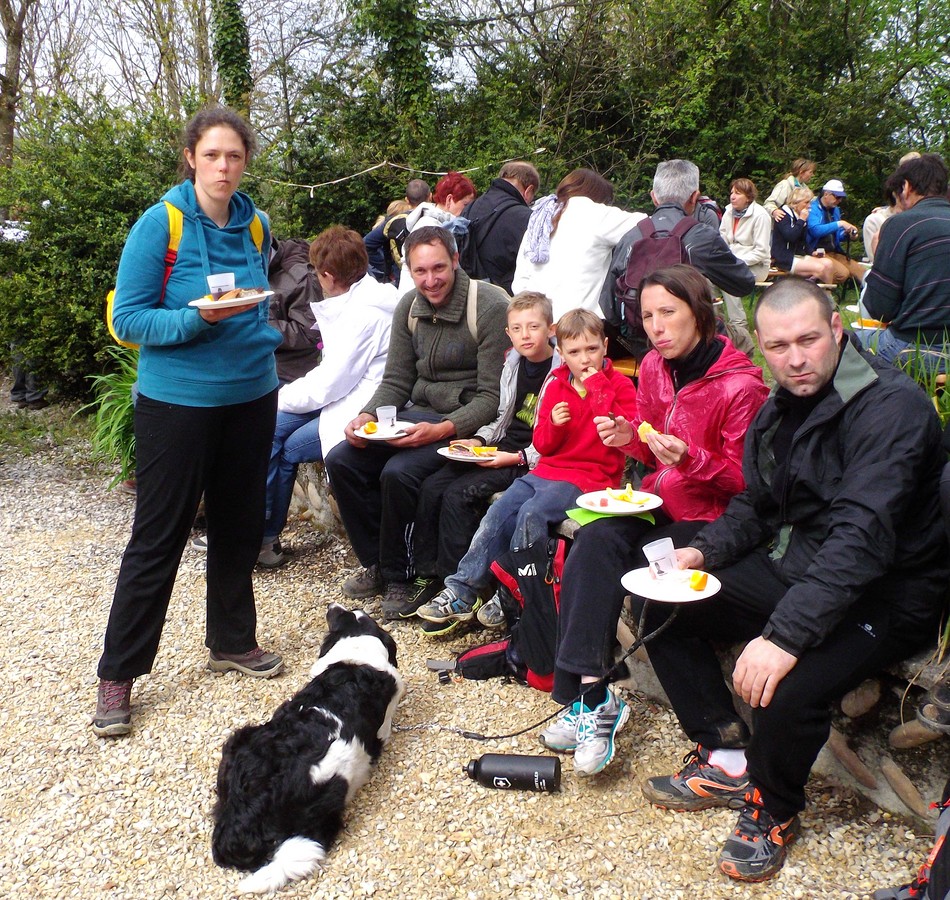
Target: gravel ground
{"points": [[130, 818]]}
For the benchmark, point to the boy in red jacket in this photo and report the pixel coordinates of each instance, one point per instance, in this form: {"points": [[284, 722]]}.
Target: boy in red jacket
{"points": [[573, 461]]}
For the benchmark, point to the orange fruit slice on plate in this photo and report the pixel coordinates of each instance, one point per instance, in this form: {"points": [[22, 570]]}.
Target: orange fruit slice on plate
{"points": [[698, 581]]}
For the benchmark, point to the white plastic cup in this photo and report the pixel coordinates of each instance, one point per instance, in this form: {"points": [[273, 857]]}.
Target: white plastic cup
{"points": [[220, 284], [661, 557], [386, 416]]}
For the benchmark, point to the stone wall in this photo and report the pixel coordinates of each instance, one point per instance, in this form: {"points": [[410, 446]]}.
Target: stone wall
{"points": [[313, 501]]}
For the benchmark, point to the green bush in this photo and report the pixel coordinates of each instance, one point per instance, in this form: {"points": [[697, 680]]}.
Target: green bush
{"points": [[80, 179]]}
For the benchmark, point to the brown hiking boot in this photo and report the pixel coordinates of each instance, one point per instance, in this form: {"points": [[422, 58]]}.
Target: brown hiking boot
{"points": [[257, 663], [366, 582], [113, 708]]}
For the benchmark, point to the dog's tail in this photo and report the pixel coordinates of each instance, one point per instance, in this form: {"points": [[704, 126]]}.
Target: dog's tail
{"points": [[296, 858]]}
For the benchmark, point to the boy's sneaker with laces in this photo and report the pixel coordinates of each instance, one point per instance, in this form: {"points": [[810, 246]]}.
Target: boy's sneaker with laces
{"points": [[257, 663], [562, 735], [698, 785], [447, 607], [596, 729], [272, 555], [491, 615], [367, 582], [113, 708], [757, 848]]}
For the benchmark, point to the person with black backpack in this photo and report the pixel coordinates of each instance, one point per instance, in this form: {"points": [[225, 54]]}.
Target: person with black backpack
{"points": [[384, 242], [675, 194], [497, 223]]}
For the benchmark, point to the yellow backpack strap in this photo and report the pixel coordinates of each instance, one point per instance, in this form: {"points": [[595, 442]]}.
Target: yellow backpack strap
{"points": [[110, 300], [175, 219], [257, 232], [175, 223]]}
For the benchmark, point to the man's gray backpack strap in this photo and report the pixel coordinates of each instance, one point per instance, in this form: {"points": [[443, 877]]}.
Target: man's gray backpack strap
{"points": [[471, 311]]}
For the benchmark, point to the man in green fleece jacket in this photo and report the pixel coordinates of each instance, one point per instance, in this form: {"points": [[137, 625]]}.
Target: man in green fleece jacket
{"points": [[442, 374]]}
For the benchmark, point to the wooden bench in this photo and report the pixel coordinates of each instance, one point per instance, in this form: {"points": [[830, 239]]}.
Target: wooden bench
{"points": [[628, 366]]}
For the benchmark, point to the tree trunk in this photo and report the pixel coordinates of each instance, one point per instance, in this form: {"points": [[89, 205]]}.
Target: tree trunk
{"points": [[12, 20]]}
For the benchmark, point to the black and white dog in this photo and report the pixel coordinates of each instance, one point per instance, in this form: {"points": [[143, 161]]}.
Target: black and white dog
{"points": [[283, 785]]}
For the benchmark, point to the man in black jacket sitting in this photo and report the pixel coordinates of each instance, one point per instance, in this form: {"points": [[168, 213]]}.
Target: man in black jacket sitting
{"points": [[833, 564]]}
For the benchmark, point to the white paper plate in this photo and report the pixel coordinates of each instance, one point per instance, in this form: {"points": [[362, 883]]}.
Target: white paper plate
{"points": [[205, 303], [448, 454], [672, 589], [642, 502], [388, 434]]}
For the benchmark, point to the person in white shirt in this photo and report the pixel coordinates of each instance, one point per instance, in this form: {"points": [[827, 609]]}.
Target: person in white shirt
{"points": [[566, 251], [747, 228], [354, 321]]}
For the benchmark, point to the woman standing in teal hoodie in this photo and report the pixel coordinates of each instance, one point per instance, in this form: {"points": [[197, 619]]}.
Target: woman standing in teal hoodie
{"points": [[204, 418]]}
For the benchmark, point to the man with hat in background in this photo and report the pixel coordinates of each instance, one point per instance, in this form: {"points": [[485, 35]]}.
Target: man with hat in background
{"points": [[826, 230]]}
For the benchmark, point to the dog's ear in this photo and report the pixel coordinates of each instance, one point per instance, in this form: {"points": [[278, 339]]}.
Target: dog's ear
{"points": [[335, 614], [389, 642]]}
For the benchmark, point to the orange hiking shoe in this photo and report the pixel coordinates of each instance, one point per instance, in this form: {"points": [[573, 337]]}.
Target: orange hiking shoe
{"points": [[757, 848]]}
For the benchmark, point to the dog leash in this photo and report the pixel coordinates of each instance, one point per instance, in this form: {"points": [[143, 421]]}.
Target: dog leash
{"points": [[612, 674]]}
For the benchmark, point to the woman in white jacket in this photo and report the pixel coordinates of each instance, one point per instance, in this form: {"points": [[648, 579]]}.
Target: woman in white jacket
{"points": [[566, 251], [747, 228], [354, 320]]}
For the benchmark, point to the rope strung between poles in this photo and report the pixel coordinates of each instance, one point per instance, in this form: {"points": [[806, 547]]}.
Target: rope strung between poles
{"points": [[384, 164]]}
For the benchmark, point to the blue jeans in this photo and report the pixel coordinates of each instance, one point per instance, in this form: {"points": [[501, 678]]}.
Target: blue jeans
{"points": [[889, 348], [519, 518], [296, 440]]}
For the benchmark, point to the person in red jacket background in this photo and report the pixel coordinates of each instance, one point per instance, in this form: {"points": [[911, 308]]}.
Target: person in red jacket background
{"points": [[700, 394], [573, 461]]}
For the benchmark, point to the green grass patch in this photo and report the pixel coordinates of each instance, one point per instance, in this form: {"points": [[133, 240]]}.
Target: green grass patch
{"points": [[26, 432]]}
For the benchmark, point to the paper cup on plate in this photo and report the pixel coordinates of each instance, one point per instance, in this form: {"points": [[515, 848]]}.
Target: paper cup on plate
{"points": [[386, 416], [661, 557], [220, 284]]}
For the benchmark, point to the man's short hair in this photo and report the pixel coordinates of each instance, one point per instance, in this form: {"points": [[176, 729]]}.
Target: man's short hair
{"points": [[533, 300], [787, 293], [927, 175], [675, 181], [576, 322], [417, 191], [430, 234], [523, 172]]}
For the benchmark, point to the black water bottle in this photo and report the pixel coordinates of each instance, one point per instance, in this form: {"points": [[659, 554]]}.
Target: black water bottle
{"points": [[513, 772]]}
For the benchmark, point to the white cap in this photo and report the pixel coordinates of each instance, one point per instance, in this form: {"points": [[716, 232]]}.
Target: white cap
{"points": [[835, 187]]}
